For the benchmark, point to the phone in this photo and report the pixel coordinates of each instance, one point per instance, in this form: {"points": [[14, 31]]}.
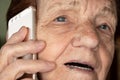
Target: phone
{"points": [[27, 18]]}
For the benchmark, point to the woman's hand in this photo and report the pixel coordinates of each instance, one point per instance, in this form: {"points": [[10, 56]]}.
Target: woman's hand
{"points": [[16, 46]]}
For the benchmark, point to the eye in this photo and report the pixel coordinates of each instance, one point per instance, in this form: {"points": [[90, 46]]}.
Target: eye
{"points": [[104, 27], [61, 19]]}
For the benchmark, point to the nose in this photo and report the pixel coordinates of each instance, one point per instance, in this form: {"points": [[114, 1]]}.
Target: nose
{"points": [[85, 36]]}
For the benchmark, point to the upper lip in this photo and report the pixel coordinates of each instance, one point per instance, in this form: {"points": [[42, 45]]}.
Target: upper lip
{"points": [[85, 64]]}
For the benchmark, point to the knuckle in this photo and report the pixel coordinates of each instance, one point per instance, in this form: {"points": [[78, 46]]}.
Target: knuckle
{"points": [[17, 64], [6, 49], [17, 67]]}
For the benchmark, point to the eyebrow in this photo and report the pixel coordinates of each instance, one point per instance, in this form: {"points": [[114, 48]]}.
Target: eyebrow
{"points": [[74, 3], [108, 10]]}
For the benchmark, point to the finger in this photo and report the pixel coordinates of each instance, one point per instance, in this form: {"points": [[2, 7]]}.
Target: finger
{"points": [[27, 79], [26, 76], [18, 36], [26, 66], [10, 52]]}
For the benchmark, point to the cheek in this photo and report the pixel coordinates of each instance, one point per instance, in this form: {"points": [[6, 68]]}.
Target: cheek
{"points": [[55, 44], [106, 59], [106, 53]]}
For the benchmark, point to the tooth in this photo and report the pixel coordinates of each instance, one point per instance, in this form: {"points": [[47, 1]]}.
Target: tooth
{"points": [[79, 65], [85, 68]]}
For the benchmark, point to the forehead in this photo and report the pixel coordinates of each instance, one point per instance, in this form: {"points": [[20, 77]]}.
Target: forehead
{"points": [[90, 5], [78, 2]]}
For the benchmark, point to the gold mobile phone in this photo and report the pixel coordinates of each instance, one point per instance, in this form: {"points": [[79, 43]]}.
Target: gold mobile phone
{"points": [[24, 18]]}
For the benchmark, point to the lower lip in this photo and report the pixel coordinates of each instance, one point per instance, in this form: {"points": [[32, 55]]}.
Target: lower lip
{"points": [[82, 73]]}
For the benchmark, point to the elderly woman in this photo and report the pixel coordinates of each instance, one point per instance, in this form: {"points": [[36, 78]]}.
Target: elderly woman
{"points": [[75, 41]]}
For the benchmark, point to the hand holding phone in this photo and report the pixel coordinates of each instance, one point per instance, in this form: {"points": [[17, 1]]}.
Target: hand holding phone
{"points": [[25, 18]]}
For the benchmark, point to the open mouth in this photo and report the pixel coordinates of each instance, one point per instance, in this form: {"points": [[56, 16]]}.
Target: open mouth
{"points": [[80, 66]]}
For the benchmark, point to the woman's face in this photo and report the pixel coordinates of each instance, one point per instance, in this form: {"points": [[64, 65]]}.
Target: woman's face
{"points": [[79, 36]]}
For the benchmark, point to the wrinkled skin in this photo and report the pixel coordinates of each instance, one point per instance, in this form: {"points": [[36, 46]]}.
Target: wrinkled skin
{"points": [[77, 31], [80, 37]]}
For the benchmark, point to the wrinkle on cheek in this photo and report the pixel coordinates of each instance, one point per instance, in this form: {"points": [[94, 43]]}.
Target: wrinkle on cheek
{"points": [[54, 50], [63, 48], [105, 56], [109, 46], [55, 45], [105, 61], [60, 51]]}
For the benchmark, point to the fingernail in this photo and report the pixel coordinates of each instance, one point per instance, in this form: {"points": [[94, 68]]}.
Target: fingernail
{"points": [[50, 65], [46, 66], [22, 28], [40, 45]]}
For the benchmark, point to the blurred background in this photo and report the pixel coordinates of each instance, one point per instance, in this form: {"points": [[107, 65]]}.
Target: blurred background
{"points": [[3, 8], [114, 73]]}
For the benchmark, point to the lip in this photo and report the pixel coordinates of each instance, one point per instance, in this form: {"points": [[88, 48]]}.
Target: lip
{"points": [[84, 66]]}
